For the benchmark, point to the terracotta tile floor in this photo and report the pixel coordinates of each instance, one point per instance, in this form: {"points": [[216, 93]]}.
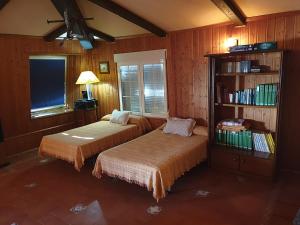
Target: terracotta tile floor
{"points": [[43, 192]]}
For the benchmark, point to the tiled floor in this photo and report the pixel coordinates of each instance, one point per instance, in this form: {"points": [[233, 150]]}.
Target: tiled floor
{"points": [[43, 192]]}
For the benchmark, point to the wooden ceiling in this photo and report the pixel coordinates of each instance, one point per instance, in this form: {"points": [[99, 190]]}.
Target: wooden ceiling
{"points": [[30, 17]]}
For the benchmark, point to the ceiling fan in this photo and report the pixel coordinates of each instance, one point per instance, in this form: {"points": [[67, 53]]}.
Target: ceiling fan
{"points": [[73, 31]]}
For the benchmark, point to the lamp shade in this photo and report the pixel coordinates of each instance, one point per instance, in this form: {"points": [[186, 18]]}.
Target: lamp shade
{"points": [[87, 77]]}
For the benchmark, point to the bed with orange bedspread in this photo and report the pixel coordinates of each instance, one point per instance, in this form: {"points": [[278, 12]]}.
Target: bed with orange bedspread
{"points": [[154, 160], [78, 144]]}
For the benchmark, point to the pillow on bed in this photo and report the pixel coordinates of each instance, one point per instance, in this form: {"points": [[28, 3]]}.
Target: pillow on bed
{"points": [[182, 127], [119, 117], [200, 130], [106, 117]]}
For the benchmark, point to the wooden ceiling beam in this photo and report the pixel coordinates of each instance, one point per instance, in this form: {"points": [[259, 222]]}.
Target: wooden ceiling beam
{"points": [[130, 16], [3, 3], [101, 35], [56, 33], [232, 11]]}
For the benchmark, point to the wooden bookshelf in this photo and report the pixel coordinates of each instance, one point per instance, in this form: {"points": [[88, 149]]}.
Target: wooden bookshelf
{"points": [[262, 117]]}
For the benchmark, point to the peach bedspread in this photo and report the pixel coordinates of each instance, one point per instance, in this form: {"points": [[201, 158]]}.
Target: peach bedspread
{"points": [[154, 160], [78, 144]]}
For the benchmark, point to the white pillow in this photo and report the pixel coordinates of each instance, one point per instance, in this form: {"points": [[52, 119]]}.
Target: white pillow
{"points": [[119, 117], [182, 127]]}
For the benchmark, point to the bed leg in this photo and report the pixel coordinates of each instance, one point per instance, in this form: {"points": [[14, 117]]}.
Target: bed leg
{"points": [[169, 191]]}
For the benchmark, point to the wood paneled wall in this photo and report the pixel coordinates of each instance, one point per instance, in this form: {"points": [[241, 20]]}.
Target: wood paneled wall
{"points": [[187, 69], [20, 131], [186, 74]]}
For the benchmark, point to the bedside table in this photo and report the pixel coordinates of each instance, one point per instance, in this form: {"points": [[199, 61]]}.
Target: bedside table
{"points": [[86, 111]]}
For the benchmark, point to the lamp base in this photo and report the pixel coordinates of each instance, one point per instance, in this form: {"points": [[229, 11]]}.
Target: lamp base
{"points": [[89, 91]]}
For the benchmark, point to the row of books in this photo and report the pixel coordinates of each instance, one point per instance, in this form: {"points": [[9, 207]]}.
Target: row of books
{"points": [[266, 94], [263, 94], [246, 140], [236, 67], [263, 142], [240, 139], [244, 66], [246, 97]]}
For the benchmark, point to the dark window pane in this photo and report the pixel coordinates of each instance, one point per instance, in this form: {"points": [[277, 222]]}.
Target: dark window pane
{"points": [[47, 82]]}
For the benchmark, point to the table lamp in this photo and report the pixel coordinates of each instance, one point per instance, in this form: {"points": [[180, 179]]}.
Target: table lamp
{"points": [[87, 78]]}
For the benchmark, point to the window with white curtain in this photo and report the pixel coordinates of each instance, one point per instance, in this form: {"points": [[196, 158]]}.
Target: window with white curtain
{"points": [[142, 82]]}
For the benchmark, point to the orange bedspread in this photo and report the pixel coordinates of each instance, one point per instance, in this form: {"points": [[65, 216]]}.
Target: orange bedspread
{"points": [[78, 144], [154, 160]]}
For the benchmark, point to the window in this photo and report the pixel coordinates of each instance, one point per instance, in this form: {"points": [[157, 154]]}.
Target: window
{"points": [[47, 82], [142, 81]]}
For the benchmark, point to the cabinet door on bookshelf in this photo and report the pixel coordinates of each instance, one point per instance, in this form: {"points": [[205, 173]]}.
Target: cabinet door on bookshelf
{"points": [[256, 166], [222, 159]]}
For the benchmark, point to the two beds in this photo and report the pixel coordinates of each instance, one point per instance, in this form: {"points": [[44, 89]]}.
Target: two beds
{"points": [[154, 160], [78, 144]]}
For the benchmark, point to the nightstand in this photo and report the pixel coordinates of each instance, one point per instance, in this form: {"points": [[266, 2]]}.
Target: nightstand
{"points": [[86, 111]]}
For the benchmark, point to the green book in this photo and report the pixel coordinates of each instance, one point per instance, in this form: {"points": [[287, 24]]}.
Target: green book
{"points": [[233, 138], [236, 139], [249, 140], [262, 94], [218, 136], [274, 93], [244, 142], [230, 138], [257, 95], [227, 137], [266, 94], [240, 140]]}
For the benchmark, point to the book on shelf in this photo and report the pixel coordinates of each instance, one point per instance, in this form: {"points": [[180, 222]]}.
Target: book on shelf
{"points": [[233, 125], [219, 92], [236, 67], [263, 142], [262, 95], [237, 139]]}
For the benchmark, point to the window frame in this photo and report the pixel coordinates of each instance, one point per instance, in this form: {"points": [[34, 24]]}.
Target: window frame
{"points": [[34, 112], [140, 63]]}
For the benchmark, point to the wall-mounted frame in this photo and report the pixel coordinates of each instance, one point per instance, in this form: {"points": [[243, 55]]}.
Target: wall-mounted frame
{"points": [[104, 67]]}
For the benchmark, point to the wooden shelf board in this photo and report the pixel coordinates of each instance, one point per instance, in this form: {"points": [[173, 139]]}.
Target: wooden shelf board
{"points": [[244, 152], [246, 106], [232, 54], [246, 74]]}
